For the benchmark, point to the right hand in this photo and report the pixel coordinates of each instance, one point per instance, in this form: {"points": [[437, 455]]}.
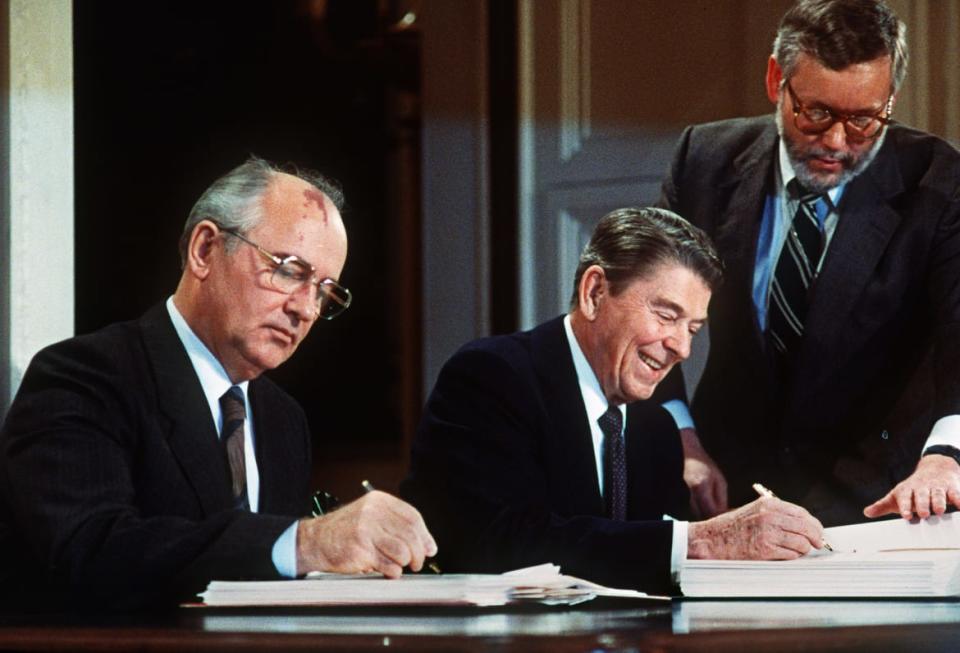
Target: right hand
{"points": [[377, 532], [766, 529]]}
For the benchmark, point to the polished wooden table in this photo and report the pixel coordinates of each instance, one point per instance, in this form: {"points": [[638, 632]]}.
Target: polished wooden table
{"points": [[607, 625]]}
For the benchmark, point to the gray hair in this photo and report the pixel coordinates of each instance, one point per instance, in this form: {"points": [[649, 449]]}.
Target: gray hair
{"points": [[631, 243], [233, 200], [840, 33]]}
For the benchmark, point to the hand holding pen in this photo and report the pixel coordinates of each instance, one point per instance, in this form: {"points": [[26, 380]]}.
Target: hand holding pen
{"points": [[766, 529], [431, 564], [376, 533], [323, 503], [764, 492]]}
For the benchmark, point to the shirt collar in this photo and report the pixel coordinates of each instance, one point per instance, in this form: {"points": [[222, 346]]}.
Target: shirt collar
{"points": [[213, 378], [593, 398], [787, 174]]}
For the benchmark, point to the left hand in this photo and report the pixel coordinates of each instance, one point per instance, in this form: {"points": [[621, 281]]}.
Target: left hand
{"points": [[708, 487], [934, 484]]}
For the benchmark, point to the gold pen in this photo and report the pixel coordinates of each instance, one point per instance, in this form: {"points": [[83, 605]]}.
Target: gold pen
{"points": [[431, 565], [764, 492]]}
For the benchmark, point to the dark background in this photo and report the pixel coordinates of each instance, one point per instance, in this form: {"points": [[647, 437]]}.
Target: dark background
{"points": [[171, 95]]}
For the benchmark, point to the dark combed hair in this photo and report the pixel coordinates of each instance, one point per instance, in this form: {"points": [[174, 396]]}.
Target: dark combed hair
{"points": [[840, 33], [234, 200], [631, 243]]}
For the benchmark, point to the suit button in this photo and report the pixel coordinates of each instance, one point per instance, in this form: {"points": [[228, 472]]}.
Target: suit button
{"points": [[885, 434]]}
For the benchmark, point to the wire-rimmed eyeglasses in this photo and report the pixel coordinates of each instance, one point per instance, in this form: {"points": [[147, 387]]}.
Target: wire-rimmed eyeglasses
{"points": [[291, 273]]}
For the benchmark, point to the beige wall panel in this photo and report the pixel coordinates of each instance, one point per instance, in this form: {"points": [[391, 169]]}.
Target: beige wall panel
{"points": [[37, 162], [605, 88], [930, 97]]}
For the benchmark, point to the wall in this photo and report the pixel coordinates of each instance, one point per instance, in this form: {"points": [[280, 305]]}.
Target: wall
{"points": [[456, 190], [607, 85], [930, 98], [36, 164]]}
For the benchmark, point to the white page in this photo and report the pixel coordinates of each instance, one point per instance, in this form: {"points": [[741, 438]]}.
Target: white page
{"points": [[542, 583], [888, 558], [932, 533]]}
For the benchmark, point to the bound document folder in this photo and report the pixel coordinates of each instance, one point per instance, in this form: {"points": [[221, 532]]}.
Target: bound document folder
{"points": [[541, 584], [892, 558]]}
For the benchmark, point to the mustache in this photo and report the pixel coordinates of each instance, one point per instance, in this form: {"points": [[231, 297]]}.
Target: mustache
{"points": [[816, 152]]}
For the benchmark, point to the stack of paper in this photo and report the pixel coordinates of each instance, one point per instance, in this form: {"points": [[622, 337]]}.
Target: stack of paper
{"points": [[881, 559], [543, 584]]}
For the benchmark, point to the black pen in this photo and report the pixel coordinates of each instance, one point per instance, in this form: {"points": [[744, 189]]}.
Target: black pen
{"points": [[323, 502], [431, 565], [764, 492]]}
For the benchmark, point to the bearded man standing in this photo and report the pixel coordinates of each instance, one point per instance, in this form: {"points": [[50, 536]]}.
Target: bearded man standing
{"points": [[835, 341]]}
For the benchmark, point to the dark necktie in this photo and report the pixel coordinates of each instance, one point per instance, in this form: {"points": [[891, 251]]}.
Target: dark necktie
{"points": [[614, 464], [231, 437], [793, 278]]}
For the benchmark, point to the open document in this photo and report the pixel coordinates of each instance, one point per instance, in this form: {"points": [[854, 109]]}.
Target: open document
{"points": [[541, 584], [892, 558]]}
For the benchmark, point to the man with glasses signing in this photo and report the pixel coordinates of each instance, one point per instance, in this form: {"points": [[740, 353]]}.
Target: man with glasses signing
{"points": [[143, 460], [835, 343]]}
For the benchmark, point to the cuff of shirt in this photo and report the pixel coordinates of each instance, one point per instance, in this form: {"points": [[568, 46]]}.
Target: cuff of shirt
{"points": [[678, 550], [945, 431], [284, 553], [680, 413]]}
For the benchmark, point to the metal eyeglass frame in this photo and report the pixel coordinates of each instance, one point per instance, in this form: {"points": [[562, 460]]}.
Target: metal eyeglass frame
{"points": [[339, 297]]}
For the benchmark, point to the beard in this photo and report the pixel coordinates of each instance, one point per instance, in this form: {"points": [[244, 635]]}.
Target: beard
{"points": [[818, 182]]}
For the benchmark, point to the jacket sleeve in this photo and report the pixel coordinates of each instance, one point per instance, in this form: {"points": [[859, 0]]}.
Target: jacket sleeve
{"points": [[673, 386], [945, 294], [672, 185]]}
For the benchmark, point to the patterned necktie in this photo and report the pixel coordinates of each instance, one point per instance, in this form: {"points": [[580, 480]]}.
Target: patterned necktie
{"points": [[614, 464], [793, 278], [231, 437]]}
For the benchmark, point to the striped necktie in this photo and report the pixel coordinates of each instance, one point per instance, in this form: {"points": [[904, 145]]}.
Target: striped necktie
{"points": [[231, 437], [794, 279]]}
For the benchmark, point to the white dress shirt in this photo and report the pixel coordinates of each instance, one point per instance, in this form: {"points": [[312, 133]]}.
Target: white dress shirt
{"points": [[596, 405]]}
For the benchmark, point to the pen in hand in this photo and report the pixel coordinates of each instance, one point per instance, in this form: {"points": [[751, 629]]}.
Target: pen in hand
{"points": [[431, 565], [323, 502], [764, 492]]}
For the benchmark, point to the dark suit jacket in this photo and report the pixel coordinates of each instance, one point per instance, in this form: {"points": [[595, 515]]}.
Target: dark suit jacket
{"points": [[115, 488], [881, 351], [504, 472]]}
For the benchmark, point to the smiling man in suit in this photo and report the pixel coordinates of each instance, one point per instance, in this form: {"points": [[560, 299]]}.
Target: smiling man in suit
{"points": [[141, 461], [540, 447], [835, 343]]}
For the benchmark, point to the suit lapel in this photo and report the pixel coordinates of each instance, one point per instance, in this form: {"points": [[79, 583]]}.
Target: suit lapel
{"points": [[572, 443], [275, 449], [189, 426], [867, 222], [741, 209]]}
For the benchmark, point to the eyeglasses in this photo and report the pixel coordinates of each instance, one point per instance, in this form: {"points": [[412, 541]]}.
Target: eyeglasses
{"points": [[290, 274], [859, 127]]}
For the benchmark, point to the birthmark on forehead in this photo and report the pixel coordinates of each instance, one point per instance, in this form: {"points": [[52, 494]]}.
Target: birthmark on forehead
{"points": [[314, 196]]}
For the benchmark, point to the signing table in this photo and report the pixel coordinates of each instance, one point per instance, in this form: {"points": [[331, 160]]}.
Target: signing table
{"points": [[603, 625]]}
